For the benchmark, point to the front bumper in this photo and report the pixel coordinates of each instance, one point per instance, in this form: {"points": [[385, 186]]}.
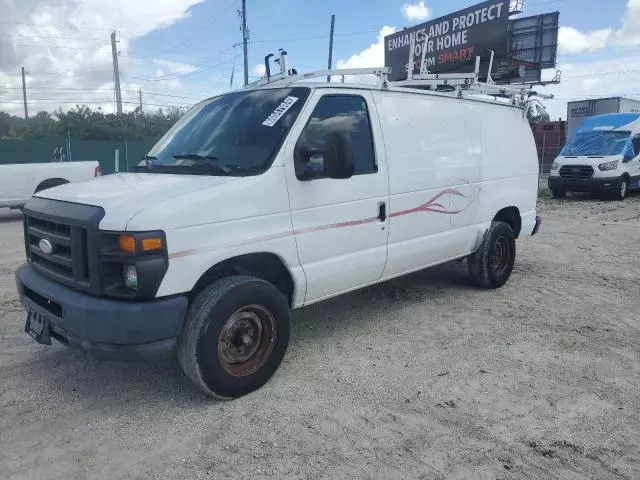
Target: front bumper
{"points": [[593, 184], [105, 329]]}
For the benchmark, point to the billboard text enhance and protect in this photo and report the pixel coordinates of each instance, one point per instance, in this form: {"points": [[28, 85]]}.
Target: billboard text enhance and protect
{"points": [[453, 41]]}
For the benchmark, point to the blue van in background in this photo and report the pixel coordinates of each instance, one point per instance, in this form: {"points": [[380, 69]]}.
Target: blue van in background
{"points": [[602, 156]]}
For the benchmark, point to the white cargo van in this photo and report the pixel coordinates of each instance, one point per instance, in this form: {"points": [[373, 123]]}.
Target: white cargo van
{"points": [[268, 199], [603, 156]]}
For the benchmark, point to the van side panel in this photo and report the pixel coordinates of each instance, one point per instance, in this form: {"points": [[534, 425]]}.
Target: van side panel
{"points": [[434, 155], [453, 164], [510, 174]]}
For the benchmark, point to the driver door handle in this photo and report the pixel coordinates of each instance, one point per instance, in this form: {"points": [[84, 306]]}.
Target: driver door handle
{"points": [[382, 211]]}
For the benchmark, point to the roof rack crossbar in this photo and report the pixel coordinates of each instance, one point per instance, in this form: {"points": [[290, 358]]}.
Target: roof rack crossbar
{"points": [[459, 84], [286, 79]]}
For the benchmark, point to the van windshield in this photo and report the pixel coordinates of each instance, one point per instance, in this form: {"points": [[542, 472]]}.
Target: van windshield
{"points": [[234, 134], [598, 143]]}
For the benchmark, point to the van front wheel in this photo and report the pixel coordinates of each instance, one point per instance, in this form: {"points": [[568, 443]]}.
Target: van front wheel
{"points": [[491, 266], [623, 188], [235, 336]]}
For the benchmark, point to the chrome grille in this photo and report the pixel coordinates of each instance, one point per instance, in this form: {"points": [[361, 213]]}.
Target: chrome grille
{"points": [[67, 262], [62, 242], [576, 171]]}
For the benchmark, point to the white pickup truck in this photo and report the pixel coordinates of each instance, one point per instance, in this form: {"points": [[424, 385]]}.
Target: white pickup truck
{"points": [[19, 181]]}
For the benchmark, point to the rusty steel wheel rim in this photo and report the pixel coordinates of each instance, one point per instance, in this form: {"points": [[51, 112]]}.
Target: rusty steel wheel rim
{"points": [[246, 340], [500, 255]]}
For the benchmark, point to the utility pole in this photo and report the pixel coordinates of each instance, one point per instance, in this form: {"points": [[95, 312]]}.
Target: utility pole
{"points": [[245, 39], [333, 21], [116, 73], [233, 71], [140, 98], [24, 95]]}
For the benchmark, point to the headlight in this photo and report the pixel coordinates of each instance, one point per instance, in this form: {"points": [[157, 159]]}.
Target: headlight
{"points": [[132, 264], [130, 277], [608, 166], [555, 166]]}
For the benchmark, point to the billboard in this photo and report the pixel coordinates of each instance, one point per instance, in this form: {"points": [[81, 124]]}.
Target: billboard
{"points": [[454, 41], [533, 44]]}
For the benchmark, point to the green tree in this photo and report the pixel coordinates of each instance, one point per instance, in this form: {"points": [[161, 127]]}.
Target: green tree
{"points": [[83, 123]]}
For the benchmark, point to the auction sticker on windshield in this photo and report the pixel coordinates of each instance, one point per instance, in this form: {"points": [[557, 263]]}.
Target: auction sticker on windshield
{"points": [[280, 110]]}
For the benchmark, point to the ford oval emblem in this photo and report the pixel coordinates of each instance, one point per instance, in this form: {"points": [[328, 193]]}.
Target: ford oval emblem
{"points": [[45, 246]]}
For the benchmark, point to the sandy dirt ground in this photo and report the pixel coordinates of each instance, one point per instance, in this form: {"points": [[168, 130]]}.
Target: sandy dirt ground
{"points": [[424, 377]]}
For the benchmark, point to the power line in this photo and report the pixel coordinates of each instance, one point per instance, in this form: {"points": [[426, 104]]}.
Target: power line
{"points": [[99, 91], [106, 45], [184, 75], [205, 26], [70, 27], [543, 3], [315, 37], [615, 72], [95, 101], [49, 36]]}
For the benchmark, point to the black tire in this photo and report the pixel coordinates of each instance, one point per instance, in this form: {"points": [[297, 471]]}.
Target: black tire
{"points": [[623, 189], [491, 266], [206, 357], [558, 193]]}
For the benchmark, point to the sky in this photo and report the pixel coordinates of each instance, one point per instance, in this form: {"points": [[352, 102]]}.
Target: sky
{"points": [[181, 51]]}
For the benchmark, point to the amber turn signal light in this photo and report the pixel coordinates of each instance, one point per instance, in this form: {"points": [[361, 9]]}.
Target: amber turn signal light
{"points": [[150, 244], [127, 243]]}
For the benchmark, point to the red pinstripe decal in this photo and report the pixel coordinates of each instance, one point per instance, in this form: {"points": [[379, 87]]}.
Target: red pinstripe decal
{"points": [[432, 206], [351, 223]]}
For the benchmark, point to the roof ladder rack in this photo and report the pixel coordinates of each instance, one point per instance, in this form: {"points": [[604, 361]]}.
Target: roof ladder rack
{"points": [[459, 84]]}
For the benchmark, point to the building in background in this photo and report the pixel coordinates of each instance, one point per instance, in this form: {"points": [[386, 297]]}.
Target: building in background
{"points": [[578, 111], [550, 137]]}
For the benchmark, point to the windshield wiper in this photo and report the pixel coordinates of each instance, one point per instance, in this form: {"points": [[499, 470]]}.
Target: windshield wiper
{"points": [[207, 159], [148, 160]]}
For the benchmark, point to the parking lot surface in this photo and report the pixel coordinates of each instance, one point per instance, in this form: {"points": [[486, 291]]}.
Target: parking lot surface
{"points": [[423, 377]]}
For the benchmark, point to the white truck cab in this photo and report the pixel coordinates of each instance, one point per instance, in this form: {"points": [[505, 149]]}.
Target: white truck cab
{"points": [[603, 156], [267, 199]]}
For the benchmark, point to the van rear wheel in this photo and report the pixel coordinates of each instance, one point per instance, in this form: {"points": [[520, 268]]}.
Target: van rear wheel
{"points": [[491, 266], [235, 336]]}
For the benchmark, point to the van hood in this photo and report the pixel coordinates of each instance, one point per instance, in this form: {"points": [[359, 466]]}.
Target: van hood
{"points": [[124, 195], [593, 160]]}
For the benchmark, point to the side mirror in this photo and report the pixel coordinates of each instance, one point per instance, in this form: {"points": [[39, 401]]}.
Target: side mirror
{"points": [[334, 160], [339, 155], [636, 145]]}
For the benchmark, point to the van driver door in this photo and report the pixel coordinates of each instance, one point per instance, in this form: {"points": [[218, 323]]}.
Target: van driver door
{"points": [[340, 225]]}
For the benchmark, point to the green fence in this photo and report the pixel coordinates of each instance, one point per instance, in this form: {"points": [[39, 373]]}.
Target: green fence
{"points": [[42, 151]]}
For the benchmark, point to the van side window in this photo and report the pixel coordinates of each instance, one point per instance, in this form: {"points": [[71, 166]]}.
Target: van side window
{"points": [[347, 114]]}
